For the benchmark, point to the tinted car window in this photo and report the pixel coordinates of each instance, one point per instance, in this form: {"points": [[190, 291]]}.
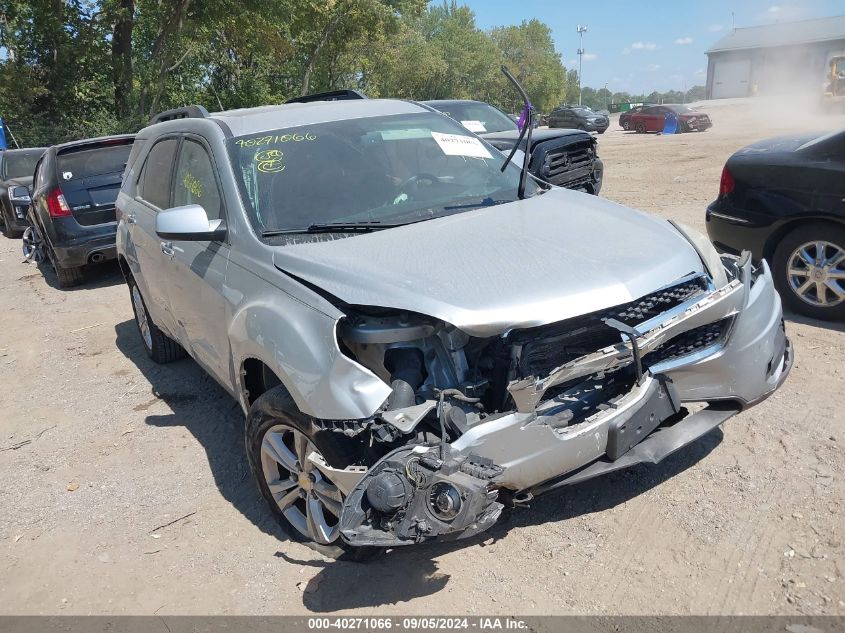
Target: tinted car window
{"points": [[93, 161], [195, 182], [19, 165], [478, 117], [154, 183]]}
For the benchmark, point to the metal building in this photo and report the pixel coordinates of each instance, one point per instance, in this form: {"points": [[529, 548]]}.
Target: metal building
{"points": [[786, 57]]}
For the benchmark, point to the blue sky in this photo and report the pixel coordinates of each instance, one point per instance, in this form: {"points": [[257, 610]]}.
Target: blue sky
{"points": [[648, 44]]}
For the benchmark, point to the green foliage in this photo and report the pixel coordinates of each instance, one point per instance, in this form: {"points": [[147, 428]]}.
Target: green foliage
{"points": [[78, 68]]}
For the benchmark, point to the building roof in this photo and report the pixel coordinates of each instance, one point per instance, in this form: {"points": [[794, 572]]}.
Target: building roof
{"points": [[782, 34]]}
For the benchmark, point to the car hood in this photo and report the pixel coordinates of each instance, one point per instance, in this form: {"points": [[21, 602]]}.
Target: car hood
{"points": [[521, 264], [23, 181], [537, 135]]}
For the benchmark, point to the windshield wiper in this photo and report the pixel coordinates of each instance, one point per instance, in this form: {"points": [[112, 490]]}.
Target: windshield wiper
{"points": [[333, 227], [487, 202], [528, 117]]}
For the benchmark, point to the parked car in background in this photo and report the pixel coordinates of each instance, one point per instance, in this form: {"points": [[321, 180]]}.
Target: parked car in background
{"points": [[416, 335], [625, 117], [783, 199], [653, 119], [72, 211], [566, 158], [578, 118], [16, 169]]}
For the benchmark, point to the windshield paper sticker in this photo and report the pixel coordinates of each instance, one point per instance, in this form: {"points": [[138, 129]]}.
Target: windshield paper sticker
{"points": [[269, 161], [458, 145], [474, 126]]}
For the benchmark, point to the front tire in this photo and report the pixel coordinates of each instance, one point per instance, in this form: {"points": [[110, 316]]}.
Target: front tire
{"points": [[626, 126], [159, 347], [279, 441], [809, 271]]}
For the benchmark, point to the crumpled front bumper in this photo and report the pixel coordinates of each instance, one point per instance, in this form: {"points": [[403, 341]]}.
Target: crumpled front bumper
{"points": [[742, 369], [535, 449]]}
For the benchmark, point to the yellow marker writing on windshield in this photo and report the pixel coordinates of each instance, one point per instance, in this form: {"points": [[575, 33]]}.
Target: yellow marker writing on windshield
{"points": [[270, 161]]}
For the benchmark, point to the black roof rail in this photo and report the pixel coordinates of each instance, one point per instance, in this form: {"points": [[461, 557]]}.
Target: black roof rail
{"points": [[186, 112], [333, 95]]}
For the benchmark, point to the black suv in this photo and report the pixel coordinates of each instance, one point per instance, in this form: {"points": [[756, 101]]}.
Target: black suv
{"points": [[72, 212], [566, 158], [16, 168], [579, 118]]}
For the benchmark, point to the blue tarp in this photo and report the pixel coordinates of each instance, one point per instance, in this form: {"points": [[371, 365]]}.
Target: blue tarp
{"points": [[670, 126], [3, 144]]}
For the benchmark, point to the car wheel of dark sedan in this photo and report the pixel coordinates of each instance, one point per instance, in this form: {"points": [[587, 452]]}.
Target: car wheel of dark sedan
{"points": [[68, 277], [640, 128], [809, 268], [626, 126], [160, 347]]}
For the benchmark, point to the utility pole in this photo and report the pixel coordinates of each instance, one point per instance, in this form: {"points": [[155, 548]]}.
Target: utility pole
{"points": [[606, 97], [581, 30]]}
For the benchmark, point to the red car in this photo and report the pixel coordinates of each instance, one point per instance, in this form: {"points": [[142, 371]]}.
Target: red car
{"points": [[653, 119]]}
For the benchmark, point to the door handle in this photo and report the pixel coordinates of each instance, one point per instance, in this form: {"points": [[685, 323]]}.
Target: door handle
{"points": [[130, 219], [167, 249]]}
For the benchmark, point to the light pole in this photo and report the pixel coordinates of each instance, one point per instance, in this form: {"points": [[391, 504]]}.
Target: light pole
{"points": [[606, 97], [581, 30]]}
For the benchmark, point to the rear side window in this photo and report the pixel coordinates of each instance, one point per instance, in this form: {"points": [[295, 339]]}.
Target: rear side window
{"points": [[154, 183], [90, 161], [195, 182]]}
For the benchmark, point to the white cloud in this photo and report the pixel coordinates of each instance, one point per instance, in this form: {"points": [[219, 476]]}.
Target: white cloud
{"points": [[626, 51], [715, 28], [588, 57], [681, 41], [700, 72], [779, 13], [643, 46], [650, 68]]}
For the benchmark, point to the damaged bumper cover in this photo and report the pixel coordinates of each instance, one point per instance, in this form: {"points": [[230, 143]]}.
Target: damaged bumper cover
{"points": [[537, 448]]}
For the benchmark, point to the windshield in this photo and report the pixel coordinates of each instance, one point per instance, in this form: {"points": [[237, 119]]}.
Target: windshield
{"points": [[380, 170], [20, 164], [477, 117]]}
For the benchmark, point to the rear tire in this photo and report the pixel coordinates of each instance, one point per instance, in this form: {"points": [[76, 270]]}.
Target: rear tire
{"points": [[159, 347], [816, 291], [68, 277], [278, 439], [640, 128]]}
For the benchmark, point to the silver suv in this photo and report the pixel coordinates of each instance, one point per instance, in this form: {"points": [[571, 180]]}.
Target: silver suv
{"points": [[416, 339]]}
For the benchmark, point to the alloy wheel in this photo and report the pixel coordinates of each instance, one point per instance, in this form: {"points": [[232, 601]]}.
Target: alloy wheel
{"points": [[816, 273], [141, 317], [307, 499], [31, 245]]}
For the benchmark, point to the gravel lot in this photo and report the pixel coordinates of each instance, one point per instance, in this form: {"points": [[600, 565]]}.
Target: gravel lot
{"points": [[126, 489]]}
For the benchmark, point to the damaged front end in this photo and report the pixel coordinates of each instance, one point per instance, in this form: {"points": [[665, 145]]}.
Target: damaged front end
{"points": [[475, 422]]}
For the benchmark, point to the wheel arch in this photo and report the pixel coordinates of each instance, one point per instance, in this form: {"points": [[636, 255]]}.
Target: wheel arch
{"points": [[791, 225]]}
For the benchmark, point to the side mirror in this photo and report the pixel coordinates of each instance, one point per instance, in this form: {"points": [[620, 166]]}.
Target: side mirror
{"points": [[189, 224]]}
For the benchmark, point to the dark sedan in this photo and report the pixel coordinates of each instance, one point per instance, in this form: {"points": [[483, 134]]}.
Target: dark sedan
{"points": [[73, 203], [566, 158], [16, 169], [783, 199], [579, 118]]}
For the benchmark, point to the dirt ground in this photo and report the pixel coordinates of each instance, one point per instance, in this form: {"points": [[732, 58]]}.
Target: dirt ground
{"points": [[125, 488]]}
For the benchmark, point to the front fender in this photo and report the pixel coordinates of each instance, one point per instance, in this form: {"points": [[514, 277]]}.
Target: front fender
{"points": [[298, 343]]}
